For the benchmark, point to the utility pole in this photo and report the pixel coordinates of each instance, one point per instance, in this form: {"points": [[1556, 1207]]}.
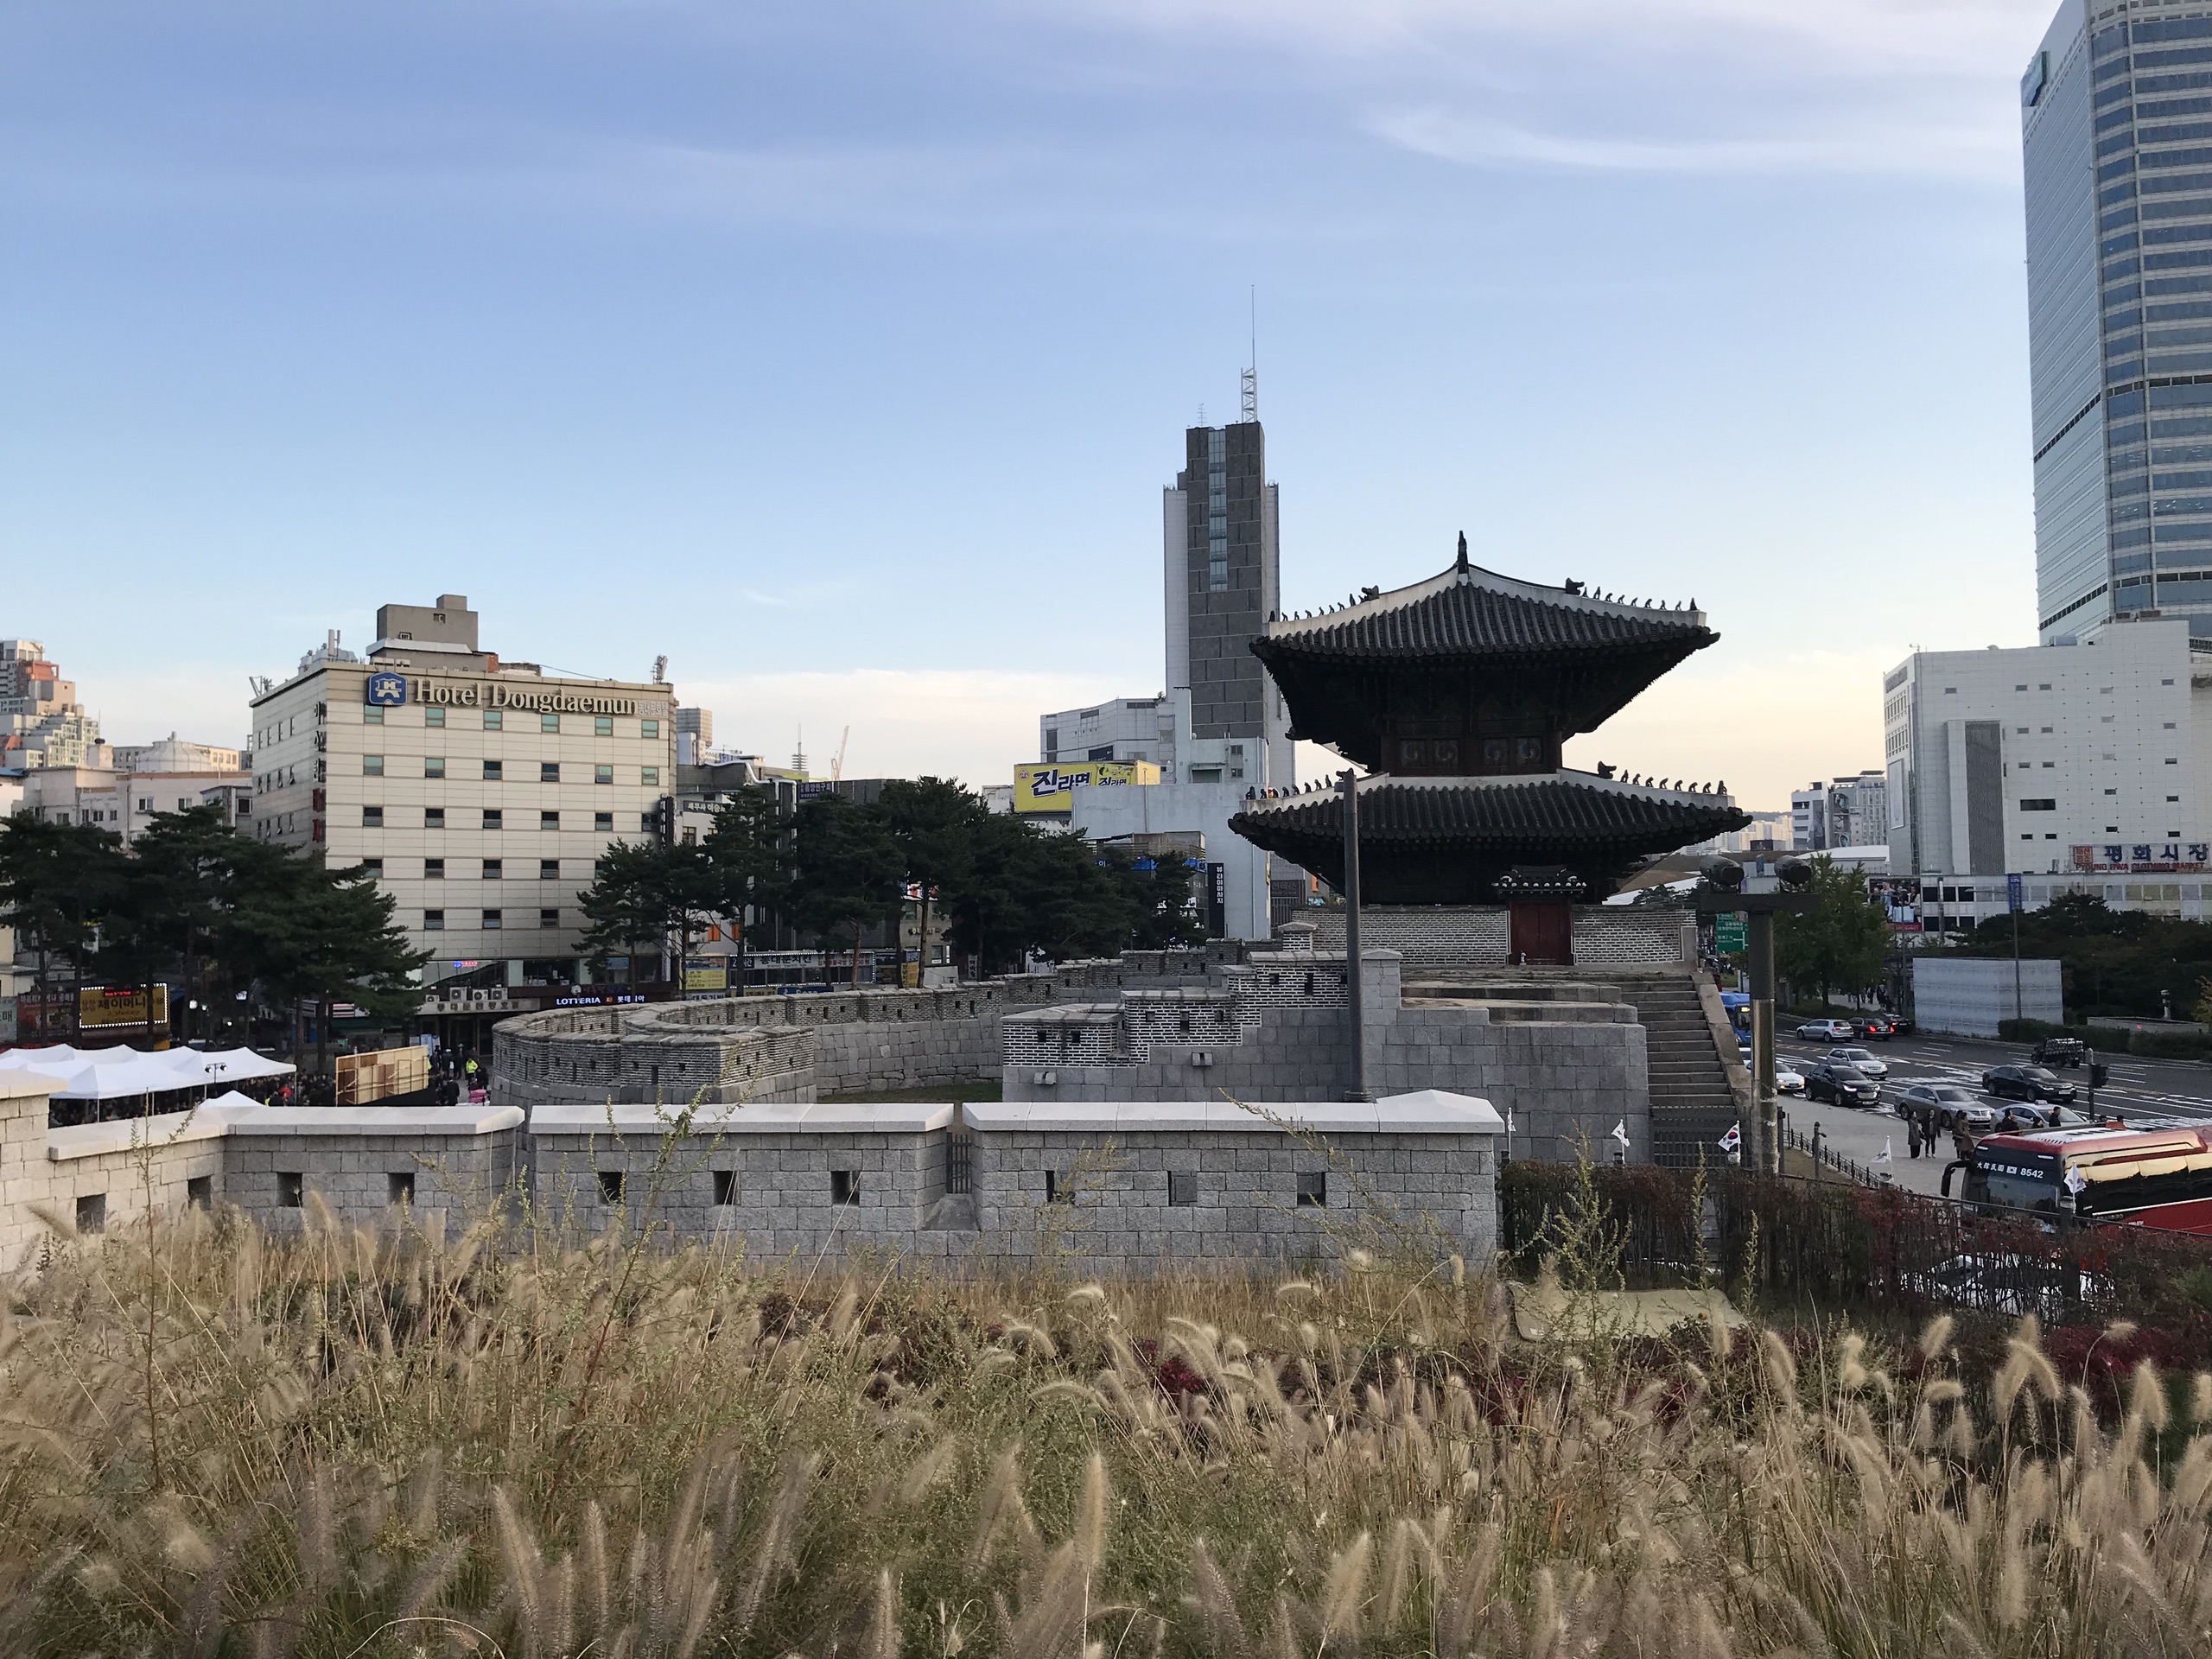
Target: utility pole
{"points": [[2012, 903], [1352, 992], [1722, 891]]}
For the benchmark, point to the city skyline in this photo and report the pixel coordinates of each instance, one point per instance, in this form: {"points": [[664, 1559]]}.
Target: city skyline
{"points": [[831, 357]]}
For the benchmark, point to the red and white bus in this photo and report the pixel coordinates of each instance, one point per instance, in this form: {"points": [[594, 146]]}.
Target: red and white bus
{"points": [[2160, 1178]]}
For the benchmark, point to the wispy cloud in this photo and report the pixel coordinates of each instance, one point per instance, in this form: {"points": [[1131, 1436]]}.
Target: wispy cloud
{"points": [[1476, 141]]}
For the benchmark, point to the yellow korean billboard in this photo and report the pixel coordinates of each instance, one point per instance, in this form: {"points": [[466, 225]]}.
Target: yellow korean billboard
{"points": [[1049, 785]]}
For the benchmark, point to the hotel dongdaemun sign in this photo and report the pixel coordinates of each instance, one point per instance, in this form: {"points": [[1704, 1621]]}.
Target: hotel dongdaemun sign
{"points": [[492, 694]]}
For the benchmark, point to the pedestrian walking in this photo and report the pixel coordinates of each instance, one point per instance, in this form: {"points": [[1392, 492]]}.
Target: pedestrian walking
{"points": [[1912, 1136]]}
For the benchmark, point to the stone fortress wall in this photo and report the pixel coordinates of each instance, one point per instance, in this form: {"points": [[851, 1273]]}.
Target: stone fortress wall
{"points": [[1563, 1055], [1095, 1185]]}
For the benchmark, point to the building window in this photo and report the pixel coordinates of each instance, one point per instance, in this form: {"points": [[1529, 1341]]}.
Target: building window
{"points": [[602, 820], [548, 820], [399, 1188], [371, 818], [493, 868], [649, 776], [372, 765], [549, 772], [434, 716], [494, 771], [91, 1212], [549, 869], [602, 725], [372, 716], [291, 1189], [494, 719], [493, 817], [1313, 1190], [549, 918], [199, 1190], [373, 868], [434, 869], [434, 817], [844, 1186], [434, 921], [602, 774], [646, 823], [491, 920], [2046, 805], [610, 1186], [648, 729], [1183, 1187], [725, 1187], [549, 722]]}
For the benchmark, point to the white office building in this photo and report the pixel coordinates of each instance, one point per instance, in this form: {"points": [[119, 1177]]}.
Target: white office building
{"points": [[2083, 767], [2119, 209], [478, 791]]}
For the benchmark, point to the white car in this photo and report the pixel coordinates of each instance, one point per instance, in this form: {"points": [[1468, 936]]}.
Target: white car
{"points": [[1833, 1030], [1788, 1082], [1863, 1059]]}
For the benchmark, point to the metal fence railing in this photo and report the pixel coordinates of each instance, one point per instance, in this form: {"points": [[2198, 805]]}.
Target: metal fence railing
{"points": [[959, 1162], [1835, 1243]]}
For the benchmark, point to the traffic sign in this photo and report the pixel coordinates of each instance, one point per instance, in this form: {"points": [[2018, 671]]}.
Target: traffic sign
{"points": [[2012, 893], [1728, 930]]}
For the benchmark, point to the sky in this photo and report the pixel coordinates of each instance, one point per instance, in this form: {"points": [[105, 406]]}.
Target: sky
{"points": [[840, 351]]}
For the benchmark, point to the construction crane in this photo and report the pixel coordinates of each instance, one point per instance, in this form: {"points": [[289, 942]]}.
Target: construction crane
{"points": [[838, 766]]}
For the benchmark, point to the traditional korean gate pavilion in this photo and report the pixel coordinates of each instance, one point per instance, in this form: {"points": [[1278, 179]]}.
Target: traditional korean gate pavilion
{"points": [[1458, 695]]}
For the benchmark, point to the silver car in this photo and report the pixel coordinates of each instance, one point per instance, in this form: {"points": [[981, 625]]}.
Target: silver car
{"points": [[1953, 1106], [1863, 1059]]}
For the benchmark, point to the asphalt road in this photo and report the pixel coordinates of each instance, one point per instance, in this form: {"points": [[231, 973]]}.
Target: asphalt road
{"points": [[2140, 1091]]}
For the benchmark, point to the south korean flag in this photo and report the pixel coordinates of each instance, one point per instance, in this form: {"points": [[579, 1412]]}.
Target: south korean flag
{"points": [[1732, 1142]]}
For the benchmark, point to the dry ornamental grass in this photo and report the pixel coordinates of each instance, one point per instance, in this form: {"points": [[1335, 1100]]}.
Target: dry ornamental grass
{"points": [[521, 1443]]}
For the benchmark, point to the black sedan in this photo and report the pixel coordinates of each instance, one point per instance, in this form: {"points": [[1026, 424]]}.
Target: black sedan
{"points": [[1841, 1083], [2026, 1083]]}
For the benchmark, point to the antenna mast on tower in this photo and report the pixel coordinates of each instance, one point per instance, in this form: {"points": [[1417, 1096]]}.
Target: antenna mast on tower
{"points": [[1251, 377]]}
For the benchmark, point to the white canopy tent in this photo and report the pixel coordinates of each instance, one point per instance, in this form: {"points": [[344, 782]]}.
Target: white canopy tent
{"points": [[120, 1073]]}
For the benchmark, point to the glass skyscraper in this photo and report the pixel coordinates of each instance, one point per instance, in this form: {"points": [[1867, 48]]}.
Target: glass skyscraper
{"points": [[2116, 137]]}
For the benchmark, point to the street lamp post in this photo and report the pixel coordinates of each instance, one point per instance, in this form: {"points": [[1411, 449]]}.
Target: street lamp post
{"points": [[1720, 892]]}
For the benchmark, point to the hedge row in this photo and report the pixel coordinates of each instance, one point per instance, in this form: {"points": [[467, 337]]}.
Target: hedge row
{"points": [[2110, 1039]]}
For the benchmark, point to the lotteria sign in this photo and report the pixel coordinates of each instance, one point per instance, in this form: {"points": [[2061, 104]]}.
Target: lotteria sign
{"points": [[389, 690]]}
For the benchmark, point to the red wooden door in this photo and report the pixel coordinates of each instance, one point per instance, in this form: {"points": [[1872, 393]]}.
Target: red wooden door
{"points": [[1541, 931]]}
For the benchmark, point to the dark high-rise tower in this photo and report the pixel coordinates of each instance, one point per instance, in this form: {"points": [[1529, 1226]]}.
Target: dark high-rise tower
{"points": [[1222, 586]]}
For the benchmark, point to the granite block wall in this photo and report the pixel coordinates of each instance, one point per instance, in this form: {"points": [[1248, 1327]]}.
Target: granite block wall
{"points": [[369, 1179], [782, 1193], [1114, 1202]]}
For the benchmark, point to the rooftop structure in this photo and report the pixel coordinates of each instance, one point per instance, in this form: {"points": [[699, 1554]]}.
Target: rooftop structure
{"points": [[1457, 694]]}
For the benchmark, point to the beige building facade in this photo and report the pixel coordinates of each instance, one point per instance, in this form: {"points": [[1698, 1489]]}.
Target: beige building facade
{"points": [[478, 792]]}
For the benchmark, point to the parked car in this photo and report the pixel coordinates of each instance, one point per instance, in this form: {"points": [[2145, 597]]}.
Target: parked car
{"points": [[1954, 1104], [2060, 1051], [1879, 1027], [1788, 1080], [2026, 1083], [1843, 1083], [1862, 1059], [1826, 1031]]}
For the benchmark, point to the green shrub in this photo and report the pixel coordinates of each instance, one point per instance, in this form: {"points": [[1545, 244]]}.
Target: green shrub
{"points": [[2034, 1031], [2170, 1045]]}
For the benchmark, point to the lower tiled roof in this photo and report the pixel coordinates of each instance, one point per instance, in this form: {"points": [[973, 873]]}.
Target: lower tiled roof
{"points": [[1565, 807]]}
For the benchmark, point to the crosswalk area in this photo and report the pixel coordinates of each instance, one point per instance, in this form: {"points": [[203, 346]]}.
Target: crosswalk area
{"points": [[2144, 1092]]}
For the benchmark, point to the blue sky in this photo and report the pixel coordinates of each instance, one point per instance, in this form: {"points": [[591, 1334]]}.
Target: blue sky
{"points": [[840, 351]]}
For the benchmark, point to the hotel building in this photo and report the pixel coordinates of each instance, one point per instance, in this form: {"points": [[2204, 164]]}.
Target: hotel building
{"points": [[479, 792]]}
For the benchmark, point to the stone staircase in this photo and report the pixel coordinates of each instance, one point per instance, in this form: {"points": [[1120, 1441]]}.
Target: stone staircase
{"points": [[1693, 1099]]}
